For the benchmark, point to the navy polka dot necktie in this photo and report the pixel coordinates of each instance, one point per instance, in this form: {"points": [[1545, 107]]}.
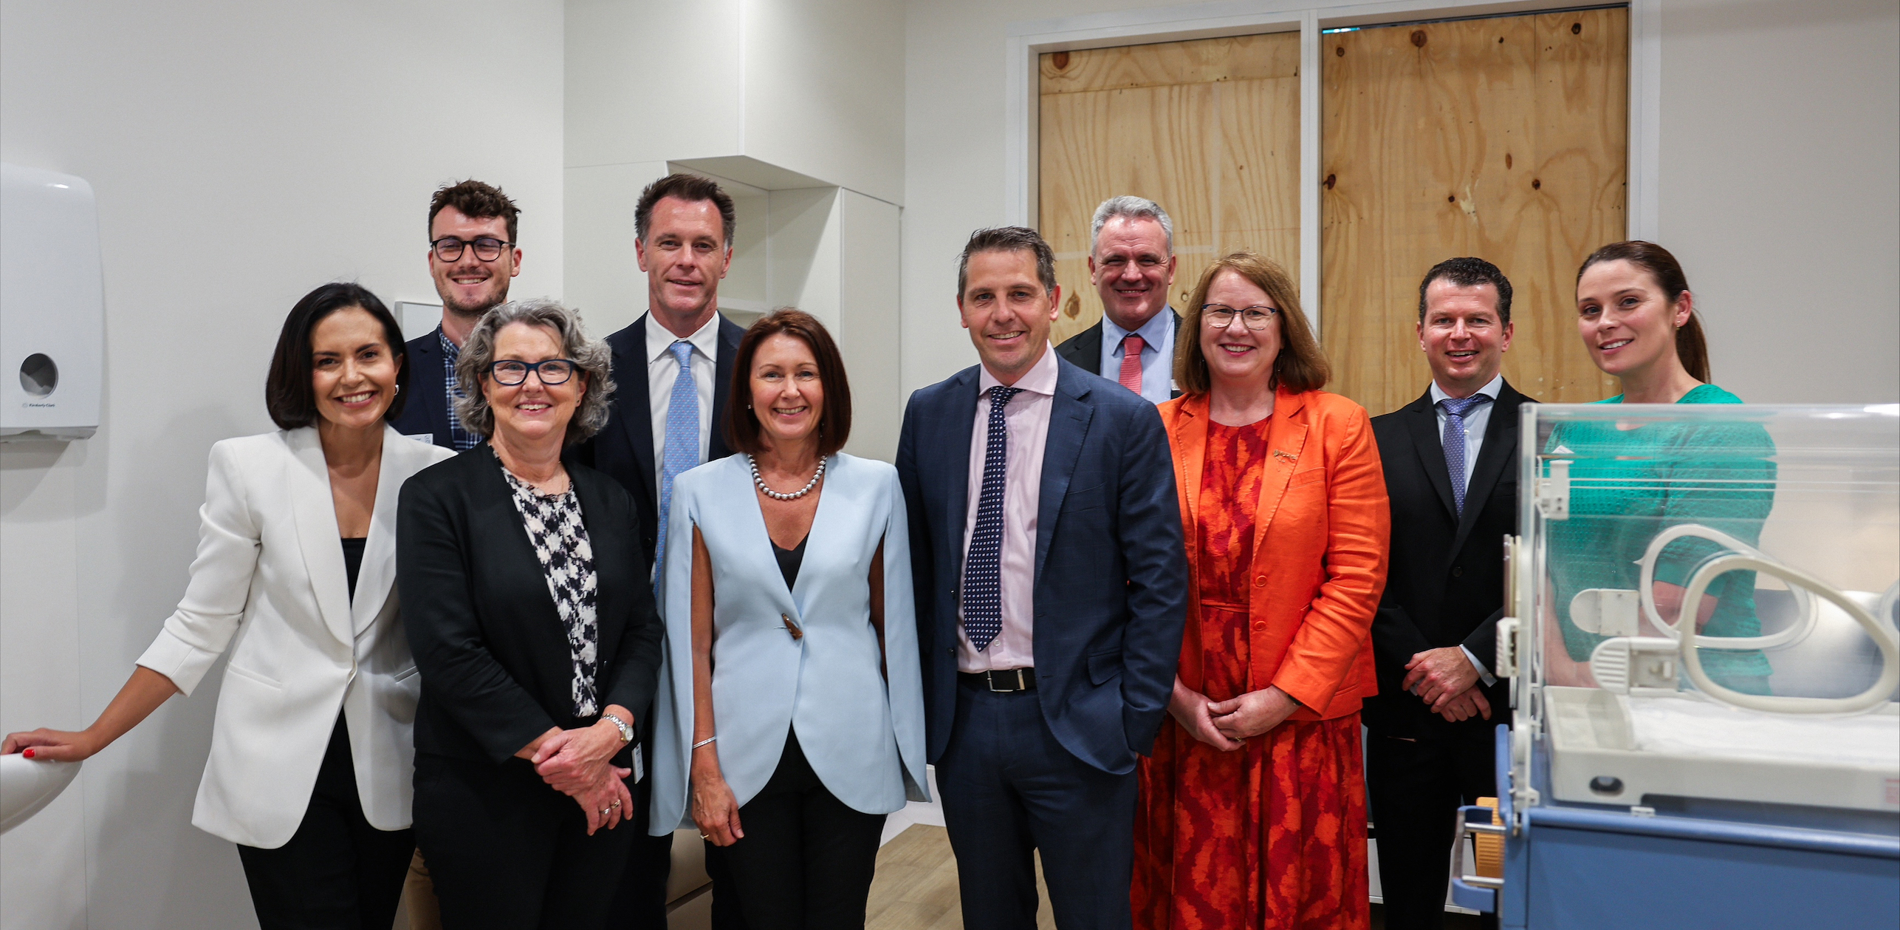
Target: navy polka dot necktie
{"points": [[983, 564], [1454, 440]]}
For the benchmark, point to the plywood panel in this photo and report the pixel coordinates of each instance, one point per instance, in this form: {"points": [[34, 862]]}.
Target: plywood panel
{"points": [[1502, 138], [1209, 129]]}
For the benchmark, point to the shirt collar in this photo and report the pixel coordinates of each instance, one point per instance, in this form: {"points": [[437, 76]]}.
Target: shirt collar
{"points": [[1039, 379], [1158, 328], [660, 339], [449, 349], [1490, 389]]}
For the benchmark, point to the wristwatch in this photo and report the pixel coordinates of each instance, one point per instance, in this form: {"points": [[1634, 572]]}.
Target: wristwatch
{"points": [[625, 728]]}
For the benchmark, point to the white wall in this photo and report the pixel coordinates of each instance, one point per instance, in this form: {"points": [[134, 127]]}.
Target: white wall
{"points": [[242, 154], [1780, 180], [1781, 191]]}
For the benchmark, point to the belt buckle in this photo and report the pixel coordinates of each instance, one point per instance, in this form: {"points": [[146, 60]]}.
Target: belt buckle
{"points": [[990, 680]]}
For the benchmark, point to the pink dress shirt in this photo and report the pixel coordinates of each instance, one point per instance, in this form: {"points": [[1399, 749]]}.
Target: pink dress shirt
{"points": [[1027, 421]]}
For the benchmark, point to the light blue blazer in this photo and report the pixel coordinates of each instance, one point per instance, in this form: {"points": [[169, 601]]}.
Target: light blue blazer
{"points": [[864, 736]]}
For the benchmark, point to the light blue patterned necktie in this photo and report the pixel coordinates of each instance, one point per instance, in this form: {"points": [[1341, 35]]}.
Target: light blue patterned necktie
{"points": [[1454, 440], [983, 564], [682, 443]]}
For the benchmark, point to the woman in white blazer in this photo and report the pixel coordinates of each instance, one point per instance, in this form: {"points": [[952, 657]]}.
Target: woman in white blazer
{"points": [[792, 707], [311, 753]]}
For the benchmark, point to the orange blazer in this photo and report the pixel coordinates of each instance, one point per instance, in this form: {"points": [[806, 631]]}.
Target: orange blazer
{"points": [[1319, 553]]}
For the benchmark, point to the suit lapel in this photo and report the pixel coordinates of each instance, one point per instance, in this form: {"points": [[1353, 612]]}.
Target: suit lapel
{"points": [[636, 406], [377, 574], [1497, 454], [432, 366], [958, 433], [1286, 441], [1069, 416], [729, 335], [307, 481], [1422, 421]]}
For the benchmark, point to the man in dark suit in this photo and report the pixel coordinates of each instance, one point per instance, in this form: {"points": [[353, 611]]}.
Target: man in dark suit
{"points": [[1051, 586], [1451, 473], [472, 257], [1131, 264], [672, 371]]}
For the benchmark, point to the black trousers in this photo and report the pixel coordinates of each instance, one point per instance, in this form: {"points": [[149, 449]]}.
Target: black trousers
{"points": [[640, 903], [1010, 789], [806, 860], [337, 872], [1415, 788], [508, 852]]}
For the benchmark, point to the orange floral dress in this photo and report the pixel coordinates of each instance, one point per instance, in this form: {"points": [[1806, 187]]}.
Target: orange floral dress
{"points": [[1271, 836]]}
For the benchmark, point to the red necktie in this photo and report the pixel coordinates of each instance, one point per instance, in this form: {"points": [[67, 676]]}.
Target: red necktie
{"points": [[1131, 362]]}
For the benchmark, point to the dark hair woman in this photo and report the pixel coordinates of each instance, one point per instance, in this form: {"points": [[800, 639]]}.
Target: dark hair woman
{"points": [[311, 753], [795, 722]]}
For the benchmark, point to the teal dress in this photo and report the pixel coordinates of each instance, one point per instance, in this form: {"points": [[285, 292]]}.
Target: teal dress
{"points": [[1626, 486]]}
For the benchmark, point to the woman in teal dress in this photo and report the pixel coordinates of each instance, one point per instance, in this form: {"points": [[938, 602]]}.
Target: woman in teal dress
{"points": [[1631, 481]]}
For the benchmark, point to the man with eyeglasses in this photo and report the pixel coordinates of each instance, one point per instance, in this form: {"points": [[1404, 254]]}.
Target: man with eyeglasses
{"points": [[472, 257], [672, 371], [1131, 263]]}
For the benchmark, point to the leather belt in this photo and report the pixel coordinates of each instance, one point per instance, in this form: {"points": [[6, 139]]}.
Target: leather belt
{"points": [[1002, 680]]}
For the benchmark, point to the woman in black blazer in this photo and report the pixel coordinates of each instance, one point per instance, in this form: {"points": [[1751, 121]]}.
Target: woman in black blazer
{"points": [[534, 632]]}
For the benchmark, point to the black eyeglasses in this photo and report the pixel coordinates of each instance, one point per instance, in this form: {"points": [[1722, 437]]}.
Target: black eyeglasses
{"points": [[487, 248], [550, 371], [1221, 316]]}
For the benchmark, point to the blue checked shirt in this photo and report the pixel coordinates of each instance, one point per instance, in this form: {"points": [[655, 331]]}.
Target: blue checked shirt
{"points": [[460, 438]]}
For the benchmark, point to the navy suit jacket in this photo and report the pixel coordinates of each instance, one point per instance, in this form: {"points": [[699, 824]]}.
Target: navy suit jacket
{"points": [[624, 447], [1445, 584], [1111, 571], [426, 410]]}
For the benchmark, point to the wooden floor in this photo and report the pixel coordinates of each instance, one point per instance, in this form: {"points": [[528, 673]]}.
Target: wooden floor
{"points": [[916, 885], [916, 888]]}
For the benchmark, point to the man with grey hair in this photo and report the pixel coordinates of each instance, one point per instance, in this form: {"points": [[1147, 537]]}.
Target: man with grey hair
{"points": [[1131, 264]]}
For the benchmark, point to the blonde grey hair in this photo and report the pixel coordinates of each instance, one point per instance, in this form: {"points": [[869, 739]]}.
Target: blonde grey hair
{"points": [[593, 359], [1134, 208]]}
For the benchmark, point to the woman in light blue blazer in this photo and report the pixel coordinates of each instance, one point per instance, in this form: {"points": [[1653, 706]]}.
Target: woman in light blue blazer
{"points": [[790, 714]]}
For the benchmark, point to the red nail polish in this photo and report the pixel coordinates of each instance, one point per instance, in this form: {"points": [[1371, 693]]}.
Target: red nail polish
{"points": [[27, 753]]}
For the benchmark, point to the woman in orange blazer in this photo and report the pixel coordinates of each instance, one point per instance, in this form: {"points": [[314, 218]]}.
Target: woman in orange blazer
{"points": [[1252, 810]]}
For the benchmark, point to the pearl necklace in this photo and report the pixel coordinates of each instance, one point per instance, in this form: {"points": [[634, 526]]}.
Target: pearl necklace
{"points": [[795, 495]]}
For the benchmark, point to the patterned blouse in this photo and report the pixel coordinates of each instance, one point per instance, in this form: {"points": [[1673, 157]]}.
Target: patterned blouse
{"points": [[567, 559]]}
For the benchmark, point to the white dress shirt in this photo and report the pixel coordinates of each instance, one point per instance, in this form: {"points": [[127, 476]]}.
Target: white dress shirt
{"points": [[1026, 420], [663, 368], [1157, 354], [1476, 421]]}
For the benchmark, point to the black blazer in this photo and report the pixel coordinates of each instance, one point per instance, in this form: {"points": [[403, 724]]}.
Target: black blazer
{"points": [[624, 448], [1084, 350], [1445, 586], [1111, 570], [426, 410], [492, 652]]}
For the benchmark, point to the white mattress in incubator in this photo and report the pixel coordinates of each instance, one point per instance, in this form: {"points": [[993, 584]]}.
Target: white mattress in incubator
{"points": [[1612, 749]]}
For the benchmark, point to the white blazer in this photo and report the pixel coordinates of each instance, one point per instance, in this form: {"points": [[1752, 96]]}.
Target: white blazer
{"points": [[862, 733], [269, 583]]}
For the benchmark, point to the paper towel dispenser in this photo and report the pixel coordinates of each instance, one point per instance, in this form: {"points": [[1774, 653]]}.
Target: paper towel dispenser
{"points": [[52, 306]]}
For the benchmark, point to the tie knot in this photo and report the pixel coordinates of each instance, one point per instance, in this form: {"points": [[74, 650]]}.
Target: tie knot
{"points": [[1000, 395], [1458, 407], [1132, 344], [682, 352]]}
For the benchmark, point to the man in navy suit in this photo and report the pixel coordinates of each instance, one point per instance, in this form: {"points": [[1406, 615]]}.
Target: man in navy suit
{"points": [[472, 257], [672, 371], [1051, 588]]}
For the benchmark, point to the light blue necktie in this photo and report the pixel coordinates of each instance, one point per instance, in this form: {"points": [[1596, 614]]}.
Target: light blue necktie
{"points": [[1454, 440], [983, 565], [682, 443]]}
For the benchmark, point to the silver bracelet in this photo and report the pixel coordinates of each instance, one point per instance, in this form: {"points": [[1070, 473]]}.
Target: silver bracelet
{"points": [[706, 742]]}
